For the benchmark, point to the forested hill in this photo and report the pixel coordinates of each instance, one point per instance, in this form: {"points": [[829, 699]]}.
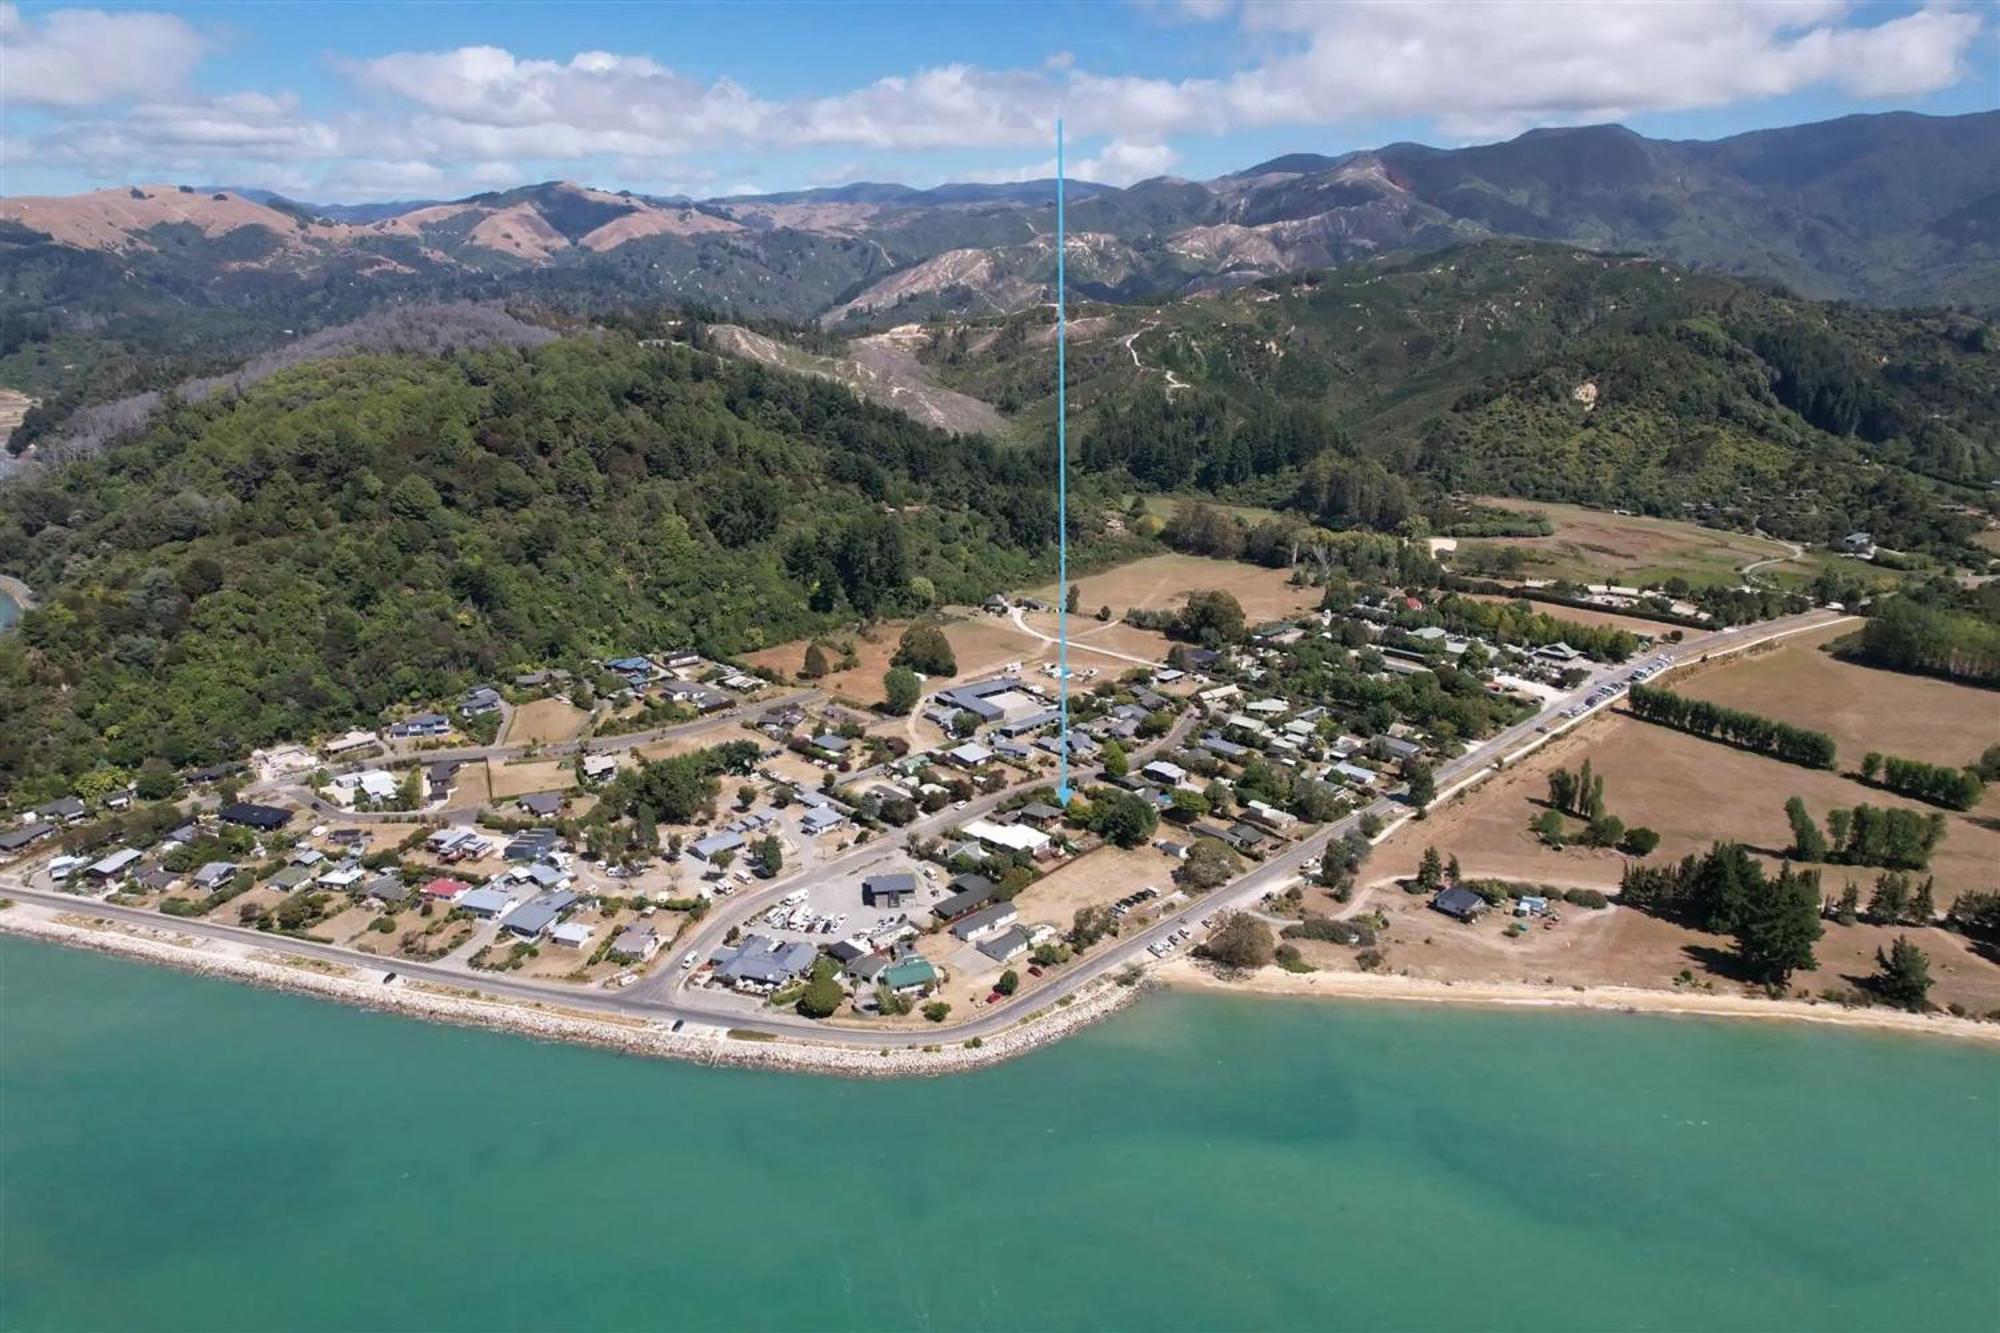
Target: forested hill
{"points": [[357, 532], [1524, 369]]}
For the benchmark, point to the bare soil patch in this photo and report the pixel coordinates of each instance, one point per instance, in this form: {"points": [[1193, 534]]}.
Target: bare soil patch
{"points": [[512, 780], [1102, 876]]}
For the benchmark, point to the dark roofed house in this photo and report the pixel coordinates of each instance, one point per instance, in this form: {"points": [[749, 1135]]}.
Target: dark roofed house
{"points": [[15, 839], [969, 892], [542, 804], [264, 818], [1460, 904], [888, 890], [66, 811], [701, 698], [1040, 813], [539, 913]]}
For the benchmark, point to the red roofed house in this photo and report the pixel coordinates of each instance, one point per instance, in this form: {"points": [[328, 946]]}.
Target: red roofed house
{"points": [[1414, 603], [445, 890]]}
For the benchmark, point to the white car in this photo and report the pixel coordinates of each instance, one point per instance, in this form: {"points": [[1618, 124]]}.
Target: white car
{"points": [[687, 961]]}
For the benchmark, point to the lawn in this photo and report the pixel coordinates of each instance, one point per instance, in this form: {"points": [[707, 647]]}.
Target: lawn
{"points": [[1596, 546]]}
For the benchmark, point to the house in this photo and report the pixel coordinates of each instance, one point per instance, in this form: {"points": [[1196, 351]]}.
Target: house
{"points": [[282, 760], [372, 783], [993, 700], [263, 818], [66, 811], [158, 880], [1858, 543], [969, 755], [635, 944], [538, 914], [487, 902], [1007, 945], [571, 934], [438, 778], [387, 890], [888, 890], [714, 845], [865, 969], [764, 963], [1223, 749], [446, 890], [291, 877], [820, 820], [542, 804], [214, 875], [352, 741], [1354, 773], [1269, 815], [968, 892], [634, 671], [1172, 775], [832, 746], [1557, 652], [1202, 659], [20, 839], [479, 700], [912, 974], [1459, 904], [535, 680], [1009, 837], [597, 767], [423, 724], [457, 844], [701, 698], [113, 867], [1040, 814], [531, 844], [986, 921], [1396, 748]]}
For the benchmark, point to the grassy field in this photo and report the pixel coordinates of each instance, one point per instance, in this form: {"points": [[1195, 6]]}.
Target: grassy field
{"points": [[1101, 877], [1595, 546]]}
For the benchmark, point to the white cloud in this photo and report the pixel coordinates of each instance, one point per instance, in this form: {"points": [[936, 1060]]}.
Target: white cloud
{"points": [[81, 57]]}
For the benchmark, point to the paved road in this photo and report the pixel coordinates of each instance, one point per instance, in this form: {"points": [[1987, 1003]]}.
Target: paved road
{"points": [[661, 998]]}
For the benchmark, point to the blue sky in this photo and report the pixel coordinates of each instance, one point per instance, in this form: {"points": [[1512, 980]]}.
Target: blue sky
{"points": [[351, 101]]}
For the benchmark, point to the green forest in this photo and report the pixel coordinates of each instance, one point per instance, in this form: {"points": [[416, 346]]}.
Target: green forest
{"points": [[358, 532]]}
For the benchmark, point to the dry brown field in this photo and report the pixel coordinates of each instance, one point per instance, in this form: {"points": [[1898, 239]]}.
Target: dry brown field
{"points": [[1652, 629], [1101, 876], [520, 779], [1161, 582], [1693, 792], [1593, 546], [545, 722], [1862, 708]]}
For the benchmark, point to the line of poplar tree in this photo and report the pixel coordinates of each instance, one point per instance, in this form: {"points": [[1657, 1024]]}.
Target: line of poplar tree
{"points": [[1750, 731]]}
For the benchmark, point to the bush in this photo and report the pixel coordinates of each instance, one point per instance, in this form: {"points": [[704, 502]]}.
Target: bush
{"points": [[1639, 841], [1590, 898], [1241, 941], [937, 1010]]}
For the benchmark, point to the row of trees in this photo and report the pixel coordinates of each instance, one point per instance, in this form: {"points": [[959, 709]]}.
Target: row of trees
{"points": [[1750, 731], [1957, 788], [1904, 634], [1866, 835]]}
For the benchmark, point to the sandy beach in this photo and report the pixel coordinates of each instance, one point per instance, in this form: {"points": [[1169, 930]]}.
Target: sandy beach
{"points": [[1187, 974], [273, 969]]}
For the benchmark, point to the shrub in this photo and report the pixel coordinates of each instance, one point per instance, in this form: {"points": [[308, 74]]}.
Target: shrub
{"points": [[936, 1010]]}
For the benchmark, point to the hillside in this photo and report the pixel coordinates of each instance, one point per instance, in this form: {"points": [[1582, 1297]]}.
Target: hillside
{"points": [[1527, 370], [142, 285], [356, 532]]}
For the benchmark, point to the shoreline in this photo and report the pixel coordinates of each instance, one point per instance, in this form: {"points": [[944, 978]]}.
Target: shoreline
{"points": [[269, 969], [1184, 974]]}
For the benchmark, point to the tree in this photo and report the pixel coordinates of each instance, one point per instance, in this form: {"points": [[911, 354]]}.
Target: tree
{"points": [[1808, 843], [1220, 796], [924, 648], [1890, 902], [1009, 982], [1210, 862], [1074, 599], [1640, 841], [1548, 826], [937, 1010], [1430, 869], [1423, 783], [1090, 924], [815, 664], [1903, 975], [1116, 763], [1188, 805], [767, 856], [1123, 817], [822, 995], [746, 796], [1923, 907], [1871, 765], [1241, 941], [901, 690], [1848, 910], [1988, 767], [1451, 870], [1778, 928], [1562, 789]]}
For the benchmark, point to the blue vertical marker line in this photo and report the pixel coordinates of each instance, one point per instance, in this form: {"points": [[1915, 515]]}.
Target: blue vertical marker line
{"points": [[1062, 484]]}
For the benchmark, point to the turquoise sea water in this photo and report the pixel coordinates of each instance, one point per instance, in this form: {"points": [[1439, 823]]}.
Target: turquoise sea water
{"points": [[184, 1153]]}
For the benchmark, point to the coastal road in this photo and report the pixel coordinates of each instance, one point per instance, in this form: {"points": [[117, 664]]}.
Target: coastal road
{"points": [[659, 997]]}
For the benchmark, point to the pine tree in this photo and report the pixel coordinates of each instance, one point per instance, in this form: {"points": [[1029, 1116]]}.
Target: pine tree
{"points": [[1923, 907], [1430, 870], [1451, 873], [815, 664], [1903, 975], [1778, 928], [1849, 909]]}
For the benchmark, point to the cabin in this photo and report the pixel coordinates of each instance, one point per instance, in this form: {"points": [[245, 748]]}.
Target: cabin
{"points": [[1459, 904]]}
